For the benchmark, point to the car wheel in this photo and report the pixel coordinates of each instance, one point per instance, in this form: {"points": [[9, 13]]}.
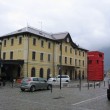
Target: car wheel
{"points": [[67, 81], [32, 89], [22, 89], [49, 87]]}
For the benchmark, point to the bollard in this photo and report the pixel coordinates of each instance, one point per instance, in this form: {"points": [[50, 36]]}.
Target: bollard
{"points": [[94, 84], [104, 83], [80, 84], [51, 88], [99, 84], [88, 85]]}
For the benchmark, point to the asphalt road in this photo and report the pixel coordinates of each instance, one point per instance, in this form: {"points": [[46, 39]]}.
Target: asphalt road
{"points": [[68, 98]]}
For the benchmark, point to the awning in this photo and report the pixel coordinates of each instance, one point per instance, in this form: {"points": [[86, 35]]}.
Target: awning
{"points": [[11, 61]]}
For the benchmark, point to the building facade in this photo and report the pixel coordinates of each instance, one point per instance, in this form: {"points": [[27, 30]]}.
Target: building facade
{"points": [[31, 52], [95, 66]]}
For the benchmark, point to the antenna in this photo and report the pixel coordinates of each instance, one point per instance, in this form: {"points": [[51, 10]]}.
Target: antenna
{"points": [[27, 25], [40, 25]]}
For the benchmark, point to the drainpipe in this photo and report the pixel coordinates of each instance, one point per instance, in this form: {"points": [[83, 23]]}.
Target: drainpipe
{"points": [[27, 55], [1, 59]]}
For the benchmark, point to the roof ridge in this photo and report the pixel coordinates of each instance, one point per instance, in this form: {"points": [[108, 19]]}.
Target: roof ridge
{"points": [[60, 33], [36, 29]]}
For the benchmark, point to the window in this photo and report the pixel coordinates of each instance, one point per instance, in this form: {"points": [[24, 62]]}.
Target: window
{"points": [[70, 50], [66, 49], [75, 52], [4, 42], [33, 55], [60, 47], [42, 43], [11, 55], [89, 61], [4, 55], [100, 55], [33, 74], [49, 57], [59, 59], [12, 41], [83, 54], [79, 62], [41, 56], [70, 60], [49, 45], [76, 62], [41, 73], [66, 60], [83, 62], [97, 61], [34, 79], [34, 41], [20, 40], [79, 53]]}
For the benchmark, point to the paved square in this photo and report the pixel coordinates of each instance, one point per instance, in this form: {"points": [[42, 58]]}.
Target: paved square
{"points": [[64, 99]]}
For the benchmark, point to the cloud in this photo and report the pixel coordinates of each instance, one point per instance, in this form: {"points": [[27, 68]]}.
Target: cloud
{"points": [[87, 21]]}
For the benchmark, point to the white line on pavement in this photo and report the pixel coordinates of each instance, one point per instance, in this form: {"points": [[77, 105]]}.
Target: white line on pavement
{"points": [[88, 100]]}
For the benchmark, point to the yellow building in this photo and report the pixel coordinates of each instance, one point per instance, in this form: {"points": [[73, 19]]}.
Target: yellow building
{"points": [[31, 52]]}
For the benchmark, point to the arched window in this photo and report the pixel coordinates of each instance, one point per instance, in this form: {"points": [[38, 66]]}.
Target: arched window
{"points": [[41, 73], [33, 72], [48, 73]]}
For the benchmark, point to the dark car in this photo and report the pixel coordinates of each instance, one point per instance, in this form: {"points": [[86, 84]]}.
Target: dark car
{"points": [[34, 83], [108, 90]]}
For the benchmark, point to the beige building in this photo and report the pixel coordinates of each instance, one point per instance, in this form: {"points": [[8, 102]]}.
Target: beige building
{"points": [[31, 52]]}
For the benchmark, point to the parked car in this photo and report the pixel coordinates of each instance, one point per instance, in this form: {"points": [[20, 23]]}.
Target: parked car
{"points": [[64, 78], [108, 90], [34, 83]]}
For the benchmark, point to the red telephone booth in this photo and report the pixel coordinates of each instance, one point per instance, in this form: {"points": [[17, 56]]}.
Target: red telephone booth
{"points": [[95, 66]]}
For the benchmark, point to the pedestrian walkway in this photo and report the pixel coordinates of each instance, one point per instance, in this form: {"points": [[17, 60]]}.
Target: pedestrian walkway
{"points": [[10, 84]]}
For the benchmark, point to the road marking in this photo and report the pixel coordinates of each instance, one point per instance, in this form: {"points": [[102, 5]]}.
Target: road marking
{"points": [[89, 100]]}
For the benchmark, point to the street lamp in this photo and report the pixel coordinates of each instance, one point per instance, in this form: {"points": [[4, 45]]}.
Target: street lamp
{"points": [[60, 62]]}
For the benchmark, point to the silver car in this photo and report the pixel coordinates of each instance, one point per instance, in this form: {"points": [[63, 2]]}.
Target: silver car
{"points": [[64, 78], [34, 83]]}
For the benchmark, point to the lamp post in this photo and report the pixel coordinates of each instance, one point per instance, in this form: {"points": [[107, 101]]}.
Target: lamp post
{"points": [[60, 62]]}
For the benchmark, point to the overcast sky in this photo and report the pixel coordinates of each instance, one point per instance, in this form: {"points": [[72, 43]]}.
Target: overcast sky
{"points": [[87, 21]]}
